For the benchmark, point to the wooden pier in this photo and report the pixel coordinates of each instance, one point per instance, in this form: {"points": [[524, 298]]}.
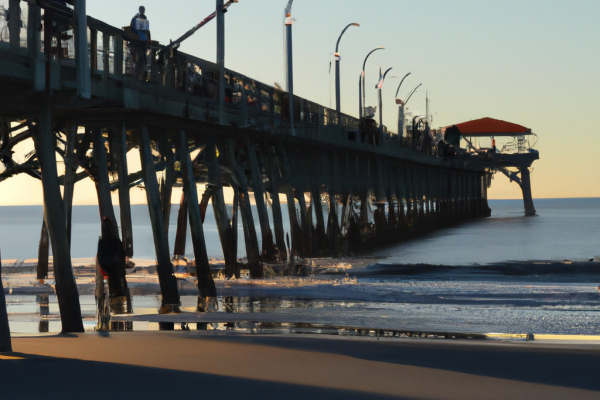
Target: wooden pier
{"points": [[202, 124]]}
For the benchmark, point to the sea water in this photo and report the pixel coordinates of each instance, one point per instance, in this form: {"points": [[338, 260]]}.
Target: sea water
{"points": [[564, 229]]}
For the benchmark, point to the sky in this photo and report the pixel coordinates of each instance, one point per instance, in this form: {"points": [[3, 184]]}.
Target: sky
{"points": [[535, 63]]}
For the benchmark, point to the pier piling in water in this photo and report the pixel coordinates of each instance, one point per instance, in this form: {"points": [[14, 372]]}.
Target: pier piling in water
{"points": [[66, 288], [168, 283], [5, 342], [220, 209], [207, 299]]}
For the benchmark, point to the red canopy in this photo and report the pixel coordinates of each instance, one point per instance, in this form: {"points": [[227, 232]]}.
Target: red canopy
{"points": [[490, 127]]}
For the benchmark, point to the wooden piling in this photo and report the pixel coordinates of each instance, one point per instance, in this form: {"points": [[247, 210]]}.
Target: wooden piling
{"points": [[234, 230], [100, 170], [66, 288], [115, 257], [70, 176], [168, 283], [166, 188], [526, 189], [273, 171], [411, 209], [118, 151], [207, 300], [298, 245], [486, 183], [220, 209], [181, 235], [251, 240], [391, 196], [43, 253], [333, 223], [319, 236], [263, 216], [419, 190], [306, 221], [5, 342]]}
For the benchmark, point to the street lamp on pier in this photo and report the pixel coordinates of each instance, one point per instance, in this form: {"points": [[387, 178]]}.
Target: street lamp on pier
{"points": [[337, 69], [400, 111], [399, 86], [379, 86], [361, 87], [289, 21]]}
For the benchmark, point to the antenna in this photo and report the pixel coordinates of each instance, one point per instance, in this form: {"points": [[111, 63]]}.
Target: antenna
{"points": [[427, 106]]}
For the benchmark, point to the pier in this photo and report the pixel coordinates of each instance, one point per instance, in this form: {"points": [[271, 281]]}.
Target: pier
{"points": [[349, 183]]}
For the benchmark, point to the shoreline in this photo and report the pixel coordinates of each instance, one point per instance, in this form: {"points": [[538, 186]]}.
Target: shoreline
{"points": [[366, 266]]}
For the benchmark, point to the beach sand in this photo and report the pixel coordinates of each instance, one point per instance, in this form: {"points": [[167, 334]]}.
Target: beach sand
{"points": [[154, 365]]}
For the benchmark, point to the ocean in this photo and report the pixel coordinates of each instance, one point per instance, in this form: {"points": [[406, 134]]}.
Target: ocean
{"points": [[565, 229]]}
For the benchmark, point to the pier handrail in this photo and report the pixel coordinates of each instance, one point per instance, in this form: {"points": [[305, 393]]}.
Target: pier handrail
{"points": [[249, 102]]}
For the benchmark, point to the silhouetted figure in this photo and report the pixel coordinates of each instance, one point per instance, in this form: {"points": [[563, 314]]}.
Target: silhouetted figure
{"points": [[111, 259], [5, 342], [140, 27]]}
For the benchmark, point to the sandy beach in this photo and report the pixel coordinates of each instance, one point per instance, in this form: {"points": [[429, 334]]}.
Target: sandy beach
{"points": [[180, 364]]}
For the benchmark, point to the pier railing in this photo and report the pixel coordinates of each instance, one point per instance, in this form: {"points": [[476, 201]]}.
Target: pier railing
{"points": [[112, 57]]}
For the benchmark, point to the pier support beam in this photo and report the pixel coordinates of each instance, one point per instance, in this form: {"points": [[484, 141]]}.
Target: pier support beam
{"points": [[234, 229], [166, 187], [118, 150], [111, 255], [5, 342], [306, 221], [66, 288], [221, 58], [298, 246], [401, 195], [251, 240], [168, 283], [181, 235], [268, 251], [334, 227], [220, 209], [319, 236], [43, 253], [70, 177], [273, 171], [207, 300], [526, 189]]}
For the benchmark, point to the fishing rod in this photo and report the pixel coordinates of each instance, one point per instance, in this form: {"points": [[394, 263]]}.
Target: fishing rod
{"points": [[411, 93], [175, 44]]}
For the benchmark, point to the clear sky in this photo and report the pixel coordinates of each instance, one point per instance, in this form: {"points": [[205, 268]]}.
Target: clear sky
{"points": [[535, 63]]}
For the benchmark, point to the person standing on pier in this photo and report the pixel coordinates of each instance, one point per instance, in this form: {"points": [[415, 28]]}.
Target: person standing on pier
{"points": [[140, 26]]}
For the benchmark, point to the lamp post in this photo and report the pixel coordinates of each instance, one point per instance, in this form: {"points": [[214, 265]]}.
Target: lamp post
{"points": [[289, 61], [221, 58], [379, 87], [337, 69], [363, 100]]}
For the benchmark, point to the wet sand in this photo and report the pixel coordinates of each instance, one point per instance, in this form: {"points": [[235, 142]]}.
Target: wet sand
{"points": [[199, 364]]}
